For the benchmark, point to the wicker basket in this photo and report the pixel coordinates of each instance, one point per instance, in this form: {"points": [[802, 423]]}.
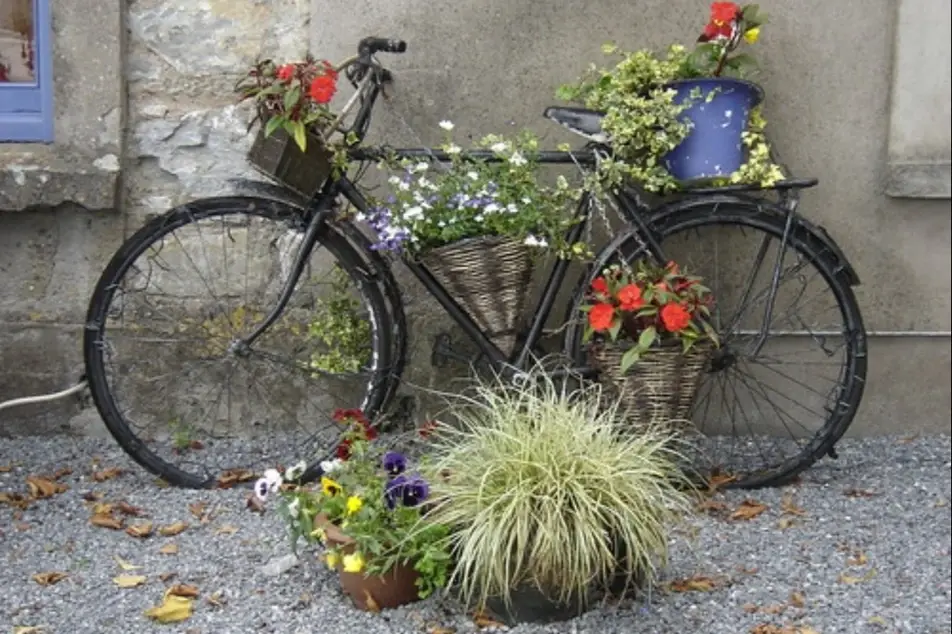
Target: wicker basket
{"points": [[279, 158], [660, 387], [488, 278]]}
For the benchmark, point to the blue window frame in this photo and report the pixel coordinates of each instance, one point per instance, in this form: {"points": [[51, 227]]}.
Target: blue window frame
{"points": [[26, 76]]}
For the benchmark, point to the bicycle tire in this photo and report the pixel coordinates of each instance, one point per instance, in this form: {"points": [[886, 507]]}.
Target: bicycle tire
{"points": [[817, 250], [347, 255]]}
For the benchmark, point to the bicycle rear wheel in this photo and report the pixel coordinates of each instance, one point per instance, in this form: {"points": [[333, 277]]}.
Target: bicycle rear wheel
{"points": [[171, 384], [766, 412]]}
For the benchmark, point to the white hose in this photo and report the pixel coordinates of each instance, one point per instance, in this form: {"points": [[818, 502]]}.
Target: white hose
{"points": [[44, 398]]}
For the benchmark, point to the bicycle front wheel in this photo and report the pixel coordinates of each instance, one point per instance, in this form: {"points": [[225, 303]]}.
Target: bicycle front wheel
{"points": [[163, 351], [781, 390]]}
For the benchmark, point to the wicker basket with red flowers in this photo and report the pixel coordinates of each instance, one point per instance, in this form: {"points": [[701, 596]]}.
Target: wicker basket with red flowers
{"points": [[652, 337], [292, 104]]}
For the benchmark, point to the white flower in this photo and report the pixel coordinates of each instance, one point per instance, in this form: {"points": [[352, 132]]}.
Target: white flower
{"points": [[413, 213], [294, 508], [492, 208], [499, 147], [532, 241], [526, 200], [478, 218], [273, 477], [420, 167], [262, 489], [404, 186], [446, 125], [328, 466], [517, 159], [393, 180], [511, 208], [473, 176], [296, 471], [453, 149], [441, 224], [360, 216], [423, 182]]}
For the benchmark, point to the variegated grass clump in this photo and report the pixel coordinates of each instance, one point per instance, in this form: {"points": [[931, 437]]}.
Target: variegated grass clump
{"points": [[545, 486]]}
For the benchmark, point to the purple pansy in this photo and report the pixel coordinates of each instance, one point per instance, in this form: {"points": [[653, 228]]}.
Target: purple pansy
{"points": [[394, 463], [408, 491]]}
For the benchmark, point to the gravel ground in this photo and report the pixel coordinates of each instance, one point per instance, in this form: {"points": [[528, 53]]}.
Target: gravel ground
{"points": [[860, 545]]}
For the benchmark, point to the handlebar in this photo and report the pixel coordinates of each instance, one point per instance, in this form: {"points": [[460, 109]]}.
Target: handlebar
{"points": [[370, 45]]}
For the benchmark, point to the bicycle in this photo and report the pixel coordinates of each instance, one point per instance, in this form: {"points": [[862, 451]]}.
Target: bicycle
{"points": [[319, 229]]}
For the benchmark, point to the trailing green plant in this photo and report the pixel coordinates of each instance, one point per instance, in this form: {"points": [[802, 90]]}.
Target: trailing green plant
{"points": [[341, 330], [435, 205], [542, 486], [642, 119]]}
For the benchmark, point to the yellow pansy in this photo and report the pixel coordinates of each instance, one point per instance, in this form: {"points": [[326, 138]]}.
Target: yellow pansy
{"points": [[330, 487], [353, 563], [319, 534], [332, 559], [353, 504], [752, 35]]}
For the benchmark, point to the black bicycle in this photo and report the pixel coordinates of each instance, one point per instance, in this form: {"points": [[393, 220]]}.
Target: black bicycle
{"points": [[176, 366]]}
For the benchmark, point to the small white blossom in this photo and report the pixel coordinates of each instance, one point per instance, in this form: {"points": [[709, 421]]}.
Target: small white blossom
{"points": [[473, 176], [360, 216], [420, 167], [526, 200], [453, 149], [499, 147], [478, 217], [447, 125], [492, 208], [423, 182], [517, 159], [393, 180], [328, 466], [296, 471], [404, 186], [441, 224], [273, 477], [532, 241], [511, 208], [294, 508], [413, 213]]}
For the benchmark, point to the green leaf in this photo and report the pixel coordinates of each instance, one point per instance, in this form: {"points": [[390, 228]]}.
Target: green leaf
{"points": [[631, 356], [273, 124], [292, 97], [615, 329], [743, 62], [647, 338], [300, 136]]}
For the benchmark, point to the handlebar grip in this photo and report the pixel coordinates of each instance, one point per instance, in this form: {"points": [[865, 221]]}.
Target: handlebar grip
{"points": [[370, 45]]}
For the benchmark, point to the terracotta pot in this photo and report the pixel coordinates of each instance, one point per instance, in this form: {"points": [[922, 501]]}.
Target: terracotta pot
{"points": [[392, 589]]}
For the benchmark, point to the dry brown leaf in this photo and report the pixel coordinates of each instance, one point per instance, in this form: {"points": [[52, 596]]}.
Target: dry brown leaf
{"points": [[851, 580], [789, 507], [806, 629], [41, 488], [173, 609], [941, 503], [125, 565], [166, 576], [860, 493], [797, 599], [858, 558], [106, 521], [49, 578], [6, 468], [129, 581], [439, 629], [216, 599], [92, 496], [776, 608], [750, 608], [481, 619], [184, 590], [102, 508], [172, 529], [712, 507], [231, 477], [697, 583], [29, 629], [370, 602], [141, 530], [744, 570], [16, 500], [226, 529], [62, 473], [197, 509], [169, 549], [748, 510], [720, 479], [21, 526], [107, 474], [127, 509]]}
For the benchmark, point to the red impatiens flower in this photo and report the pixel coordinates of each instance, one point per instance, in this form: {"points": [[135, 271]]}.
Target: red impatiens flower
{"points": [[675, 317], [713, 31], [329, 69], [724, 12], [629, 297], [600, 286], [601, 316], [323, 88], [286, 72]]}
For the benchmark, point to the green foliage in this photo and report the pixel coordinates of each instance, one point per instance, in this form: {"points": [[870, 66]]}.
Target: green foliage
{"points": [[340, 328], [541, 485]]}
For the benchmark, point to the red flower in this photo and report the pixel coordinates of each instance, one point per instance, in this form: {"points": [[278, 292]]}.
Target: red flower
{"points": [[286, 72], [427, 429], [724, 12], [601, 316], [713, 31], [329, 69], [629, 297], [672, 267], [323, 88], [343, 450], [600, 286], [675, 317]]}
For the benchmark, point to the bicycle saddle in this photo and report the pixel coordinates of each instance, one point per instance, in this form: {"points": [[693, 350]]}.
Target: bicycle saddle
{"points": [[581, 121]]}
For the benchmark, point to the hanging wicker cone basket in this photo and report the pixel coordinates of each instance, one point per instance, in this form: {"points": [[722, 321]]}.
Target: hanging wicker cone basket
{"points": [[660, 387], [280, 159], [488, 278]]}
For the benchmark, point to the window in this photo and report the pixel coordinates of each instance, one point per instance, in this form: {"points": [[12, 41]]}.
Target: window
{"points": [[26, 71]]}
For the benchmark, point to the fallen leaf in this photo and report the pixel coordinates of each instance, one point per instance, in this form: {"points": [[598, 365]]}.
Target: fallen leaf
{"points": [[806, 629], [776, 608], [231, 477], [851, 580], [62, 473], [481, 620], [106, 521], [860, 493], [797, 599], [21, 526], [197, 509], [877, 620], [6, 468], [49, 578], [712, 507], [17, 500], [184, 590], [718, 480], [102, 508], [789, 507], [226, 529], [941, 503], [172, 609], [785, 522], [162, 484], [439, 629], [371, 603], [166, 576], [747, 571], [107, 474], [29, 629], [750, 608], [858, 558], [748, 510], [127, 509], [92, 496], [216, 598], [141, 530], [172, 529], [125, 565], [697, 583], [129, 581], [169, 549], [41, 488]]}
